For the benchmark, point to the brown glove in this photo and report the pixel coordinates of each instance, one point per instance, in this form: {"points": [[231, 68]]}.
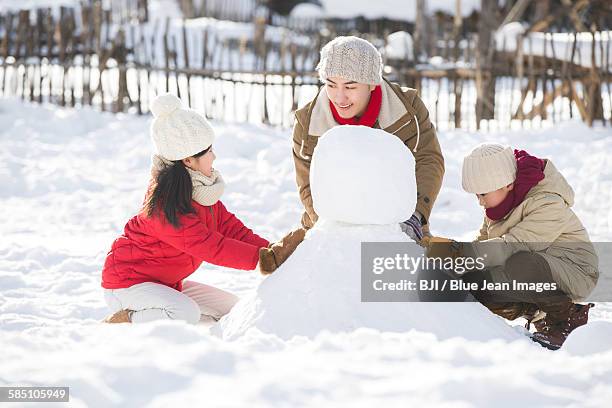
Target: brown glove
{"points": [[273, 256], [439, 247]]}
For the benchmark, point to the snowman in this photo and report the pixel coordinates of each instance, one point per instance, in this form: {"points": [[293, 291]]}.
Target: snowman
{"points": [[363, 185]]}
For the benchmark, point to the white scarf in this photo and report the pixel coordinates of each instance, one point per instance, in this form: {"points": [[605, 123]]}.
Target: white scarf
{"points": [[206, 190]]}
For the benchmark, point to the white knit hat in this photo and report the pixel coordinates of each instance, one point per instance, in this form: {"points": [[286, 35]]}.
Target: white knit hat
{"points": [[487, 168], [351, 58], [178, 133]]}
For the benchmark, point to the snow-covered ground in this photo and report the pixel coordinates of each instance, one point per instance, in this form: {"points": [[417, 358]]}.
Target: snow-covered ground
{"points": [[70, 180]]}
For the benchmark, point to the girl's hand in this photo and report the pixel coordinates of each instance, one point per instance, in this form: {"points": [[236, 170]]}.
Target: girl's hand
{"points": [[267, 263], [277, 253]]}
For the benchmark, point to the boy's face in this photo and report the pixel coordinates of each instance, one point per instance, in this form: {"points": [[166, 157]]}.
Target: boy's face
{"points": [[494, 198], [349, 98]]}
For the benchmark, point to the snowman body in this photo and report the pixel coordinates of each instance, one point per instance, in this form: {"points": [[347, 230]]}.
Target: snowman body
{"points": [[363, 186]]}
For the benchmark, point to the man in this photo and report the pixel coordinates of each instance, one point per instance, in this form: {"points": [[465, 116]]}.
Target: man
{"points": [[354, 92]]}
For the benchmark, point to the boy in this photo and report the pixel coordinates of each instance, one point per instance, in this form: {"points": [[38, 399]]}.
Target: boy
{"points": [[530, 237]]}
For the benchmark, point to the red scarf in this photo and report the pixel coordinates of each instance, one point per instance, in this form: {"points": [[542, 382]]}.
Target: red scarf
{"points": [[529, 172], [370, 115]]}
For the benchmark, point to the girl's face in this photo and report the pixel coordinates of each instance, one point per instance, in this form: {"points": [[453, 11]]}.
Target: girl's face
{"points": [[349, 98], [203, 164], [494, 198]]}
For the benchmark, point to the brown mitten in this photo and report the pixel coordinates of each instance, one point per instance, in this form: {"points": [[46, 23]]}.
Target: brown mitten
{"points": [[267, 263], [277, 253], [439, 247], [429, 239]]}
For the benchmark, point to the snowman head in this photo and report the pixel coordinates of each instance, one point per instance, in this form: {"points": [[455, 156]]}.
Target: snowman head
{"points": [[361, 175]]}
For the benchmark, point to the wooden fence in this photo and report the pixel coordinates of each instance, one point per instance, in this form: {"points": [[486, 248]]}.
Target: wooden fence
{"points": [[263, 73], [531, 85]]}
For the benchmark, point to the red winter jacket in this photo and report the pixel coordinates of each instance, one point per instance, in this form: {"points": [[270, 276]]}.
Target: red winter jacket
{"points": [[152, 250]]}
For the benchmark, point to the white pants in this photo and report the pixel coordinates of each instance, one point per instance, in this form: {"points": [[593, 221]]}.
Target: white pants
{"points": [[154, 301]]}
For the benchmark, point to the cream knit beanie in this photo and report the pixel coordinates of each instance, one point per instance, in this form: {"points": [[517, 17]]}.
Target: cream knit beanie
{"points": [[351, 58], [487, 168], [178, 133]]}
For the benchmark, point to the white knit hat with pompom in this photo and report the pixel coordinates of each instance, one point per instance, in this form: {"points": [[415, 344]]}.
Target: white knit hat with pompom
{"points": [[177, 132], [351, 58], [490, 166]]}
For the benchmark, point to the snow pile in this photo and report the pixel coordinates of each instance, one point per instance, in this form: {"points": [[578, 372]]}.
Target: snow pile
{"points": [[400, 46], [163, 9], [595, 337], [360, 198], [403, 10], [362, 176], [306, 10], [508, 34], [318, 289]]}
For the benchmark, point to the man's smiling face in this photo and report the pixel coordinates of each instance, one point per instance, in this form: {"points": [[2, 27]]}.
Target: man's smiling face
{"points": [[349, 98]]}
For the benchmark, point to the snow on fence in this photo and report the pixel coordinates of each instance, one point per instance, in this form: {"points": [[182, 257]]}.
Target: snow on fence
{"points": [[546, 78], [233, 10], [222, 68], [259, 73]]}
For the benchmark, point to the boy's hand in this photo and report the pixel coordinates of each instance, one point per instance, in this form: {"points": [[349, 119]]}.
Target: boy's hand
{"points": [[440, 247], [430, 239]]}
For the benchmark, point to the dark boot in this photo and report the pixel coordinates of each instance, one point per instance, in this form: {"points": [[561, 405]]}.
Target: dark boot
{"points": [[562, 317], [512, 310], [537, 318]]}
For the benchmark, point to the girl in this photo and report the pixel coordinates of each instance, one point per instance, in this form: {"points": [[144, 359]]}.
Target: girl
{"points": [[182, 223]]}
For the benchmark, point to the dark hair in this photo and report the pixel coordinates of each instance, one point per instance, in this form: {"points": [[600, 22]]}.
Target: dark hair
{"points": [[171, 191]]}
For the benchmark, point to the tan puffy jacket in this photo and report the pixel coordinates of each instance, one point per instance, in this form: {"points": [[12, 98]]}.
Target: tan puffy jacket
{"points": [[403, 114], [545, 223]]}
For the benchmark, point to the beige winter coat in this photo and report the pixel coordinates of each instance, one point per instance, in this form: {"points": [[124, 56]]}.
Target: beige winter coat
{"points": [[400, 111], [545, 223]]}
